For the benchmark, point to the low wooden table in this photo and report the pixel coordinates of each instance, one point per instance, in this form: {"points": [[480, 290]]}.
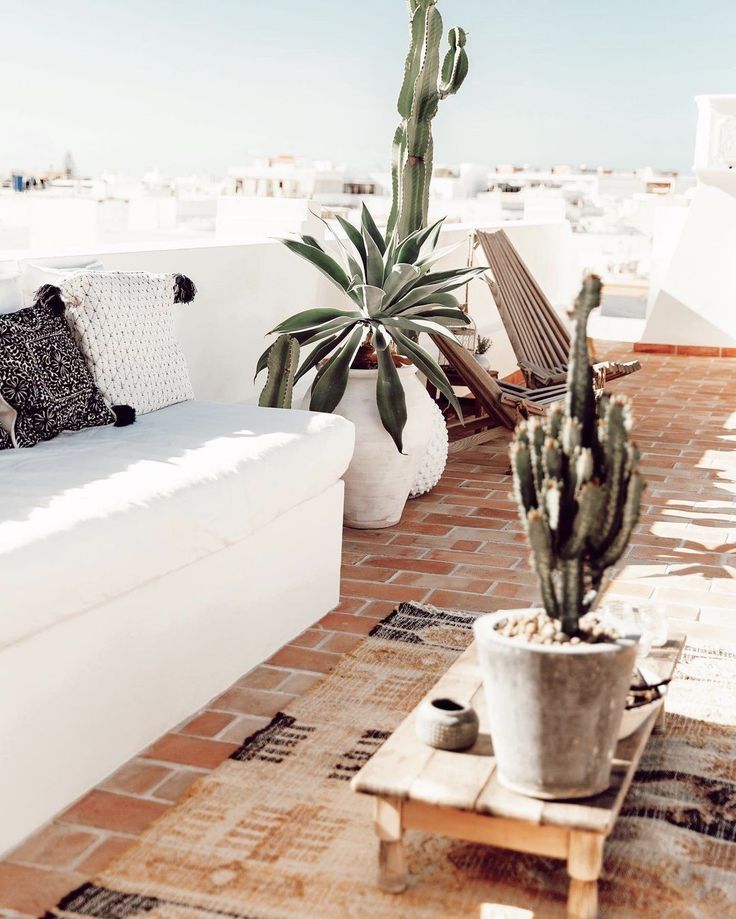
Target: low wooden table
{"points": [[458, 794]]}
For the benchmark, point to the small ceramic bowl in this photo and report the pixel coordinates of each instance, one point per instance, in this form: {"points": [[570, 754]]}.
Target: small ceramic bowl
{"points": [[446, 724]]}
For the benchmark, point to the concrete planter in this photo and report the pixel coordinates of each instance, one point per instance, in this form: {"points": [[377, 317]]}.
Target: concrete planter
{"points": [[554, 710], [379, 478]]}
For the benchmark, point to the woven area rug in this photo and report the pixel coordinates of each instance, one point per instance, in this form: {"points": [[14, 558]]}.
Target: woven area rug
{"points": [[276, 832]]}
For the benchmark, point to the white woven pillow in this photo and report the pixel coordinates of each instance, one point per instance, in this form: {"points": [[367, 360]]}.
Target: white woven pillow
{"points": [[124, 325]]}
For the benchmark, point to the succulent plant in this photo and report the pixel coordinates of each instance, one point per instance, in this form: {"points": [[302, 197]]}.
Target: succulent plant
{"points": [[482, 345], [577, 483], [281, 363], [423, 87], [391, 292]]}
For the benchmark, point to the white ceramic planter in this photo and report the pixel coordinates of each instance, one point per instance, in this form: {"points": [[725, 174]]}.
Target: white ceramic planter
{"points": [[379, 478], [483, 360]]}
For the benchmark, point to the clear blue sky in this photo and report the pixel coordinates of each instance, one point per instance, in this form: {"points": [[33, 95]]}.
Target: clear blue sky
{"points": [[192, 85]]}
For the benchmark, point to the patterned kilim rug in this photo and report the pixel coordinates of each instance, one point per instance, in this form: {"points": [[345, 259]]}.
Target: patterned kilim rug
{"points": [[276, 832]]}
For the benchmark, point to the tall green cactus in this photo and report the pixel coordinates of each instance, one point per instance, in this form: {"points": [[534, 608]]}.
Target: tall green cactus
{"points": [[577, 483], [283, 359], [423, 87]]}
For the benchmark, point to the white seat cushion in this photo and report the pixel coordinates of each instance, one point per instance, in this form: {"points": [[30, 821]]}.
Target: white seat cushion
{"points": [[90, 515]]}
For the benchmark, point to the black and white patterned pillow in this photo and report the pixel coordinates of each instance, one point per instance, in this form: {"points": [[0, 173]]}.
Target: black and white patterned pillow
{"points": [[45, 386], [5, 442]]}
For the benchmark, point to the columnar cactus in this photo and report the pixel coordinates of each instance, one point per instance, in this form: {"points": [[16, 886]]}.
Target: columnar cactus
{"points": [[577, 483], [423, 87], [283, 358]]}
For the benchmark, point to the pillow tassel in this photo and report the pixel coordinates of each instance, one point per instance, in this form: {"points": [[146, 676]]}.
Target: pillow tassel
{"points": [[49, 295], [184, 289], [124, 415]]}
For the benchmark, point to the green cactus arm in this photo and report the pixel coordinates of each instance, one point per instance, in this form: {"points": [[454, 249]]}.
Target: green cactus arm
{"points": [[552, 498], [542, 559], [552, 458], [413, 63], [523, 480], [398, 153], [615, 449], [572, 593], [570, 435], [629, 519], [632, 459], [424, 96], [583, 467], [536, 441], [589, 504], [423, 86], [554, 420], [580, 401], [455, 64], [426, 181], [589, 296], [283, 358]]}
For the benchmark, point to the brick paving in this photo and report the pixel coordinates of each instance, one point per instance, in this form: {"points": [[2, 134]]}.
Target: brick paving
{"points": [[461, 546]]}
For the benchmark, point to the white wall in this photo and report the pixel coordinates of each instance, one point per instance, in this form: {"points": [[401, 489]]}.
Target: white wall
{"points": [[246, 289], [242, 217], [693, 303]]}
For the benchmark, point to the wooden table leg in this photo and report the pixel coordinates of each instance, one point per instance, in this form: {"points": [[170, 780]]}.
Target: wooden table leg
{"points": [[391, 857], [584, 861]]}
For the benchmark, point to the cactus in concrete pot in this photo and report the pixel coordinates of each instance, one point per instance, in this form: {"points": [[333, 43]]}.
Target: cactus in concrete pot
{"points": [[577, 484], [556, 678], [424, 86]]}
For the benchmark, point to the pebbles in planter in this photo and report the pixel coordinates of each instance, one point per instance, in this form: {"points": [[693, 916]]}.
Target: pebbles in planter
{"points": [[537, 627]]}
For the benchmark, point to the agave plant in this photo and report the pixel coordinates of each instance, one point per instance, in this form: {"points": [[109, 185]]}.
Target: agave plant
{"points": [[392, 295]]}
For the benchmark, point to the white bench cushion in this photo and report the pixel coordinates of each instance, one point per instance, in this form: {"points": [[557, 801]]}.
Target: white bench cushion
{"points": [[90, 515]]}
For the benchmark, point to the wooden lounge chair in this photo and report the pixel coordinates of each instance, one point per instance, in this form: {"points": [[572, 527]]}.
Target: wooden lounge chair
{"points": [[538, 336], [504, 403]]}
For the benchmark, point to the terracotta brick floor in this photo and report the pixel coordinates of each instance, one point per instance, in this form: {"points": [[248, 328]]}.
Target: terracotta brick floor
{"points": [[461, 546]]}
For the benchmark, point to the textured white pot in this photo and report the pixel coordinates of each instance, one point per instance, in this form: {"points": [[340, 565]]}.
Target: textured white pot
{"points": [[379, 478]]}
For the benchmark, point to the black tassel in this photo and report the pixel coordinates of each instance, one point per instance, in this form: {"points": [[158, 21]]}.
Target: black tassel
{"points": [[49, 296], [124, 415], [184, 289]]}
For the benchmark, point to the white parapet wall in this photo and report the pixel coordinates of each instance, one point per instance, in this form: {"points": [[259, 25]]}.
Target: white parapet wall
{"points": [[246, 289], [693, 303], [692, 298]]}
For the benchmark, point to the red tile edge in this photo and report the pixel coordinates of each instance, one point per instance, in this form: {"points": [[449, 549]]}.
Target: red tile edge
{"points": [[649, 347]]}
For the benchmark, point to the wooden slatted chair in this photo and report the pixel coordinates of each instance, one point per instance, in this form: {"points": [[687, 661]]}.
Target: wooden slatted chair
{"points": [[538, 336], [505, 403]]}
